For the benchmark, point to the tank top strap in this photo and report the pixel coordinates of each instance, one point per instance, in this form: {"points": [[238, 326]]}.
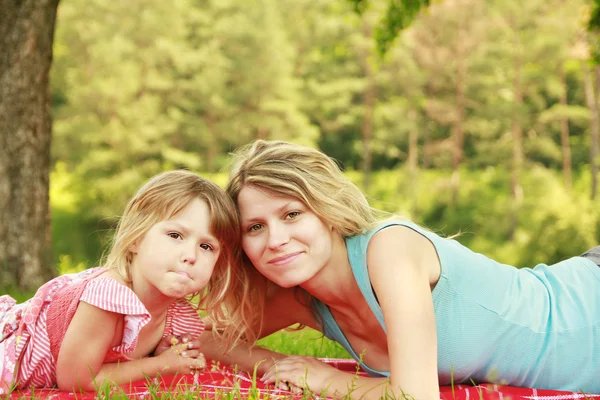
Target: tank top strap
{"points": [[357, 255]]}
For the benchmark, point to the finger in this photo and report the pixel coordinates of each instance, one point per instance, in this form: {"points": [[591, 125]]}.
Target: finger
{"points": [[281, 375], [180, 349], [296, 389], [174, 340], [186, 337], [193, 344], [198, 364], [191, 353], [274, 372]]}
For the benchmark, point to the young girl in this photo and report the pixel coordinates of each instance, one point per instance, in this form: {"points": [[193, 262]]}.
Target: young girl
{"points": [[410, 305], [121, 321]]}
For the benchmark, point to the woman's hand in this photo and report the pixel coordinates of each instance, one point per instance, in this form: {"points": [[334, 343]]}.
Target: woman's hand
{"points": [[298, 372]]}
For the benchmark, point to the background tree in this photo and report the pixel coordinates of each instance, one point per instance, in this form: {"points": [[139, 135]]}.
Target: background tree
{"points": [[26, 38], [145, 86]]}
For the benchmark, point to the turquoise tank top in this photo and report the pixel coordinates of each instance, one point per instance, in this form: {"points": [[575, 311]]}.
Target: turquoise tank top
{"points": [[495, 323]]}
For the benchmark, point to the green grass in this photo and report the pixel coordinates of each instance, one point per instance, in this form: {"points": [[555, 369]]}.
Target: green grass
{"points": [[305, 342]]}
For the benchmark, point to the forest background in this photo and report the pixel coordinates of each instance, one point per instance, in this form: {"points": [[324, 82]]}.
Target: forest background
{"points": [[481, 118]]}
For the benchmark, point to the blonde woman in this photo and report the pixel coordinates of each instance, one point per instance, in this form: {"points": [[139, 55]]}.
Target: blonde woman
{"points": [[176, 238], [411, 306]]}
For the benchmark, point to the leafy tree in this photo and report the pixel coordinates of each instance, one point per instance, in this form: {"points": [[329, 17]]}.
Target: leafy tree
{"points": [[397, 17]]}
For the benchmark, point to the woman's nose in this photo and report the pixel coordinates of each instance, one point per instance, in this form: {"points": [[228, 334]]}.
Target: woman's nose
{"points": [[278, 236]]}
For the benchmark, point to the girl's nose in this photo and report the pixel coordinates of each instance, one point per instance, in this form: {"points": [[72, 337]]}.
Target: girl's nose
{"points": [[189, 254]]}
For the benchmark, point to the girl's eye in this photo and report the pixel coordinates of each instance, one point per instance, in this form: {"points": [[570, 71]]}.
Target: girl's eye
{"points": [[206, 246], [174, 235], [292, 215], [254, 228]]}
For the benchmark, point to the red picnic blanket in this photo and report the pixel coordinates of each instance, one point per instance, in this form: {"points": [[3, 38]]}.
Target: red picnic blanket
{"points": [[216, 383]]}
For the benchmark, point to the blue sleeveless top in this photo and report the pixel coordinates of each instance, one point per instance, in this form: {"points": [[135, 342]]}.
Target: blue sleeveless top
{"points": [[495, 323]]}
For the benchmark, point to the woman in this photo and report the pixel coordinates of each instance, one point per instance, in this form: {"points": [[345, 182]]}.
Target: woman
{"points": [[405, 302]]}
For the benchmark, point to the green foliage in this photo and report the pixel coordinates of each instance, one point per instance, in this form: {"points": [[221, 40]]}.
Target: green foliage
{"points": [[144, 86], [594, 23], [398, 16]]}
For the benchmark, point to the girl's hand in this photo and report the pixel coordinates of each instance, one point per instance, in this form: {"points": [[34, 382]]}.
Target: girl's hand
{"points": [[168, 341], [298, 372], [183, 358]]}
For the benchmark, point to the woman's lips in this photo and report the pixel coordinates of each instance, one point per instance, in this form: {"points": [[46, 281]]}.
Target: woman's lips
{"points": [[285, 259]]}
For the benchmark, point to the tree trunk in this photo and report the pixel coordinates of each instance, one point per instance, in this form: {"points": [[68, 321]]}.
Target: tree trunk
{"points": [[459, 111], [517, 136], [369, 105], [211, 145], [592, 104], [564, 133], [429, 94], [26, 36], [413, 160]]}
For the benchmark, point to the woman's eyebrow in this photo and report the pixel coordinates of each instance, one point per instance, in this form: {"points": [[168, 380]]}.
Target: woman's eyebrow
{"points": [[277, 210]]}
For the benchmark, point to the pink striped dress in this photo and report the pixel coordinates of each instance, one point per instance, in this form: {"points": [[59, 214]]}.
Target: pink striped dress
{"points": [[31, 333]]}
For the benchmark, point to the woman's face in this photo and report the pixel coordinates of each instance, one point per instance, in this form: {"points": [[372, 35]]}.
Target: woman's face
{"points": [[284, 240]]}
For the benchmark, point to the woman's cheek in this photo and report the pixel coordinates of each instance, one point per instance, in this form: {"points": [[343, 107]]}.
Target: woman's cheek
{"points": [[249, 248]]}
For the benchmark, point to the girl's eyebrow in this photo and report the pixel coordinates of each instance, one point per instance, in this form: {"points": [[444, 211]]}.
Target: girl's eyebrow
{"points": [[179, 226]]}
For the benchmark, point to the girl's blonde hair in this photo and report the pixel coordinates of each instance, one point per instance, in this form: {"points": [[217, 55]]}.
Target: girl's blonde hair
{"points": [[305, 174], [164, 196]]}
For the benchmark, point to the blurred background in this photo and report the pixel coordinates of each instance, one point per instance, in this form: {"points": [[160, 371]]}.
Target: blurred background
{"points": [[480, 118]]}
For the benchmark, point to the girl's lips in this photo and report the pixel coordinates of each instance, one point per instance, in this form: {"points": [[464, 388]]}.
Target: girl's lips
{"points": [[282, 260], [183, 273]]}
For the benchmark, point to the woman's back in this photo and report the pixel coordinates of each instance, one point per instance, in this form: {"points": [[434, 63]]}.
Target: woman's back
{"points": [[524, 327]]}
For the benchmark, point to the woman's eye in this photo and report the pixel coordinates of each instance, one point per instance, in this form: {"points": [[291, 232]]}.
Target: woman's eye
{"points": [[174, 235], [254, 228], [292, 215], [206, 246]]}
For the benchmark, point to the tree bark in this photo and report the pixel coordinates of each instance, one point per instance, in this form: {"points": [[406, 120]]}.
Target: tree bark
{"points": [[459, 111], [564, 132], [517, 136], [26, 37], [592, 103], [369, 98], [413, 160]]}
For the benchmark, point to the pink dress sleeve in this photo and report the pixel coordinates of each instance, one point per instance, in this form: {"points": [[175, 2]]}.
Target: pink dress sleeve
{"points": [[110, 295]]}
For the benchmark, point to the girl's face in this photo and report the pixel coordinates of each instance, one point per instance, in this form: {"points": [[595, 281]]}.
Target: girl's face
{"points": [[284, 240], [177, 255]]}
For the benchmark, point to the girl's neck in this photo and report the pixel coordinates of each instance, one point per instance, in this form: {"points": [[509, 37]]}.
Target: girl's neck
{"points": [[155, 302]]}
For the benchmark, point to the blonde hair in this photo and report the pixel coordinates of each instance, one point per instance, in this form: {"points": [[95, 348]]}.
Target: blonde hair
{"points": [[164, 196], [305, 174]]}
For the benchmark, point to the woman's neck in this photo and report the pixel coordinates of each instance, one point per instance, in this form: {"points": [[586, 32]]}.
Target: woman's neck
{"points": [[335, 284]]}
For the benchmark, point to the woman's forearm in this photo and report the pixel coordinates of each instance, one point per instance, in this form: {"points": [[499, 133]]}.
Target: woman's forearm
{"points": [[244, 356], [349, 386]]}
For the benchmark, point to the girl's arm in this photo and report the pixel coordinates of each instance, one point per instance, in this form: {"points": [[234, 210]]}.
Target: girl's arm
{"points": [[89, 336]]}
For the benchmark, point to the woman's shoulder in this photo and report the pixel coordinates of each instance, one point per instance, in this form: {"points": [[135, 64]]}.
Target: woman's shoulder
{"points": [[390, 229]]}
